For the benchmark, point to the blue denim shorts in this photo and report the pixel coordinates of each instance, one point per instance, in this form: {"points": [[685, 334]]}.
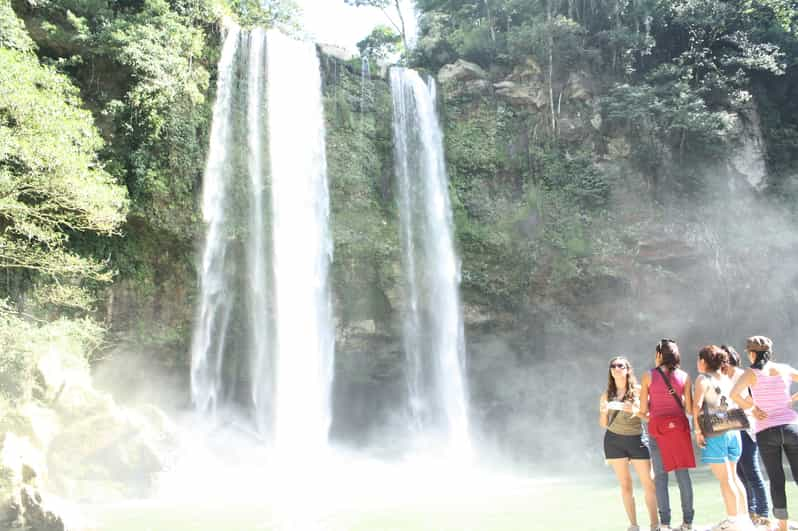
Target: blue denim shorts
{"points": [[722, 448]]}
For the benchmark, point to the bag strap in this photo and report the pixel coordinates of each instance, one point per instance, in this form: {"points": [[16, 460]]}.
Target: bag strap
{"points": [[670, 388], [613, 416]]}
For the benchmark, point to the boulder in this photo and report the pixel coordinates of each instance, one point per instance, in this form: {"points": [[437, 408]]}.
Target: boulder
{"points": [[336, 51], [517, 94], [124, 449], [36, 513], [461, 71], [24, 462]]}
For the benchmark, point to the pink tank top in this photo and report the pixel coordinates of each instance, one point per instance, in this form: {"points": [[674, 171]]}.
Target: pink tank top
{"points": [[660, 401], [772, 395]]}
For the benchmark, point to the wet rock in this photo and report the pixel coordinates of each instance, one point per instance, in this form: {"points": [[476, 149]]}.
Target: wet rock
{"points": [[37, 516]]}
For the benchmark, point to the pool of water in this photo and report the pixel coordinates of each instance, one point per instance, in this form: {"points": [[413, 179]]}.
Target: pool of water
{"points": [[397, 502]]}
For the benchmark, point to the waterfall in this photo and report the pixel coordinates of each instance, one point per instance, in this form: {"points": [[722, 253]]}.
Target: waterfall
{"points": [[302, 247], [261, 385], [215, 306], [433, 326], [265, 307]]}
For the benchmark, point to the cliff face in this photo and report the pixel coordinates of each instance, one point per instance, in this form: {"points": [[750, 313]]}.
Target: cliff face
{"points": [[572, 251], [574, 245]]}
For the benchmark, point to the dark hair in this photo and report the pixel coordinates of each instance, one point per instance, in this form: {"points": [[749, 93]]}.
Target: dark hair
{"points": [[631, 381], [715, 357], [762, 357], [763, 348], [734, 357], [669, 351]]}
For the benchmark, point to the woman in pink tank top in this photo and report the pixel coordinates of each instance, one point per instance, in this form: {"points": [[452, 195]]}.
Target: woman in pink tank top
{"points": [[776, 421]]}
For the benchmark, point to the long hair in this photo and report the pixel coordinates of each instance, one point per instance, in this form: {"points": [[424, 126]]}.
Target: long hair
{"points": [[669, 350], [630, 393], [714, 357]]}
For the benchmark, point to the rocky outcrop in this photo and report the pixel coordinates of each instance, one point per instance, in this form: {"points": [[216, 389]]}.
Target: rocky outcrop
{"points": [[461, 71], [528, 95], [749, 157], [465, 78], [26, 506]]}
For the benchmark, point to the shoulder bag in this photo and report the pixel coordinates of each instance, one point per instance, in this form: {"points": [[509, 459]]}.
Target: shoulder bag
{"points": [[716, 420]]}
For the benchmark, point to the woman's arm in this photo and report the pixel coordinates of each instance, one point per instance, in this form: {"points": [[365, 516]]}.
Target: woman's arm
{"points": [[745, 381], [645, 381], [603, 412], [699, 396], [700, 389], [688, 396], [792, 372], [632, 407]]}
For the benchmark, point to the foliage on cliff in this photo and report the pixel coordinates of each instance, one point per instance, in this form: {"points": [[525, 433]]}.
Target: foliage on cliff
{"points": [[580, 102], [52, 183]]}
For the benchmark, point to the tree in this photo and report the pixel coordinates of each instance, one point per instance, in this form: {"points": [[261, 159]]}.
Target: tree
{"points": [[51, 183], [383, 6], [380, 44]]}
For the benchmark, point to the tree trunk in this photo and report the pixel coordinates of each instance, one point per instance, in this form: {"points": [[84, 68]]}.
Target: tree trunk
{"points": [[490, 22], [551, 68], [402, 23]]}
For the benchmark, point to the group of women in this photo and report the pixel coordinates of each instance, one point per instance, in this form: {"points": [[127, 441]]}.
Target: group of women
{"points": [[737, 415]]}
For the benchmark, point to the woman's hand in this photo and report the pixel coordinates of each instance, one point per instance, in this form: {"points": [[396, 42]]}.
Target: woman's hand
{"points": [[758, 413], [700, 440]]}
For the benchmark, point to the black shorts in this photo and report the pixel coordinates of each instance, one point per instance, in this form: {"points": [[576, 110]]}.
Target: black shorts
{"points": [[628, 446]]}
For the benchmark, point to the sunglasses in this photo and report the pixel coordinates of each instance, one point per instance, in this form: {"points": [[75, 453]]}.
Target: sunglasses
{"points": [[618, 366]]}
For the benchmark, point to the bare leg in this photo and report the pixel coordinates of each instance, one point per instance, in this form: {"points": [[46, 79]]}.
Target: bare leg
{"points": [[726, 473], [643, 469], [621, 468]]}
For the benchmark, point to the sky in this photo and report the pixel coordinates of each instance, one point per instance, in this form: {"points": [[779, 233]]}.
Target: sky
{"points": [[334, 22]]}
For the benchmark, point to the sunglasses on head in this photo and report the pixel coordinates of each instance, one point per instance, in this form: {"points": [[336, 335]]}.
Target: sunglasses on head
{"points": [[617, 365]]}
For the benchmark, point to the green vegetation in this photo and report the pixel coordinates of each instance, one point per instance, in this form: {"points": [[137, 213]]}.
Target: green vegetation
{"points": [[604, 100]]}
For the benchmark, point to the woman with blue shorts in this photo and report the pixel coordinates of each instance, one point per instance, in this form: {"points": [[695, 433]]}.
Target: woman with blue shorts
{"points": [[720, 451]]}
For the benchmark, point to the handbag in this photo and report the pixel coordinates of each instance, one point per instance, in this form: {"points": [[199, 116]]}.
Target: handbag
{"points": [[717, 420]]}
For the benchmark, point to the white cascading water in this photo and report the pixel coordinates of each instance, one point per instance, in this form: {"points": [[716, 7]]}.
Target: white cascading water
{"points": [[288, 330], [433, 326], [261, 386], [302, 248], [211, 327]]}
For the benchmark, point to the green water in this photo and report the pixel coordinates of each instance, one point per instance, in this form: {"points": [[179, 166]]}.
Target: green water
{"points": [[588, 505]]}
